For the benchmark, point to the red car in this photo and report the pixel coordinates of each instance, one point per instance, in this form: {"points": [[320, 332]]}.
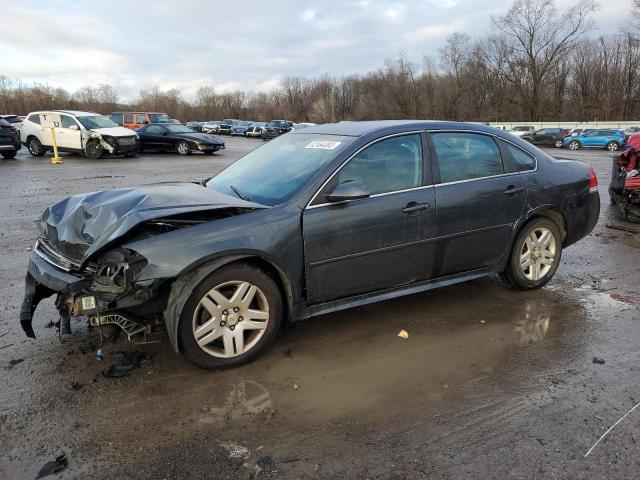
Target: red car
{"points": [[625, 180]]}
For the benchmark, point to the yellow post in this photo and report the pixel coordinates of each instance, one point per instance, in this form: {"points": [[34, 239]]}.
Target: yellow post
{"points": [[56, 158]]}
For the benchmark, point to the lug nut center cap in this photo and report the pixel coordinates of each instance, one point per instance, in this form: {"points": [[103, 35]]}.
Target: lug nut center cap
{"points": [[232, 318]]}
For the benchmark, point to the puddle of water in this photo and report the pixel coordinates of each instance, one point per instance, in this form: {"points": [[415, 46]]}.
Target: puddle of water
{"points": [[353, 366]]}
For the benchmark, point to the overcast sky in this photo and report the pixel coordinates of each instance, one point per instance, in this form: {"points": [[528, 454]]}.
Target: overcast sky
{"points": [[250, 45]]}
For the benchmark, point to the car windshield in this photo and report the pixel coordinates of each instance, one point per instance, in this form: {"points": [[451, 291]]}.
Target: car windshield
{"points": [[274, 172], [243, 124], [228, 121], [159, 117], [277, 123], [175, 128], [96, 121], [520, 129], [257, 124]]}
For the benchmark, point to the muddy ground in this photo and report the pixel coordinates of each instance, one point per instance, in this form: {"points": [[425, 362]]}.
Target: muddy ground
{"points": [[491, 383]]}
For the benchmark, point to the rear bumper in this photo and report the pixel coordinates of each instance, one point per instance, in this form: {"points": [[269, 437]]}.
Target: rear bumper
{"points": [[11, 145], [582, 218]]}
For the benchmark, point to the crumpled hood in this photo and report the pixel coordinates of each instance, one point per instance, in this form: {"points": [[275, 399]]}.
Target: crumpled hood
{"points": [[115, 131], [80, 225]]}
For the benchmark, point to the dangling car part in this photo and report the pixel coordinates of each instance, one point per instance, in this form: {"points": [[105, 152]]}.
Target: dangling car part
{"points": [[624, 190]]}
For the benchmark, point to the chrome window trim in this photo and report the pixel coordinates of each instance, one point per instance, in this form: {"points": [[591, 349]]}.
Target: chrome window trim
{"points": [[435, 185]]}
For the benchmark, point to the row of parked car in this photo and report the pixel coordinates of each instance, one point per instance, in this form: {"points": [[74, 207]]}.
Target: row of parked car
{"points": [[610, 138], [127, 133], [247, 128]]}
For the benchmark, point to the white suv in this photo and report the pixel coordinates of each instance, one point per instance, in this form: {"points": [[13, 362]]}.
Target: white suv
{"points": [[88, 133]]}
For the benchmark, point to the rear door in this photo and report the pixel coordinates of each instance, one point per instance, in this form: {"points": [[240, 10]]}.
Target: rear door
{"points": [[128, 121], [374, 243], [478, 201]]}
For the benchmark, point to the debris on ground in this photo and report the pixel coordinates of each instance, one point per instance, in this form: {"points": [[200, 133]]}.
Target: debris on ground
{"points": [[295, 386], [15, 361], [599, 361], [130, 360], [622, 228], [622, 298], [236, 451], [77, 386], [403, 334], [287, 353], [53, 466], [4, 333], [611, 428]]}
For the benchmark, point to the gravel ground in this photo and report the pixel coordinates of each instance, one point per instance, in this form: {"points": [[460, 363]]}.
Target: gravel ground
{"points": [[491, 383]]}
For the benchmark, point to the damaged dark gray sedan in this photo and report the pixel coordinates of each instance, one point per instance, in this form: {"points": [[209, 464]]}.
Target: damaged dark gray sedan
{"points": [[327, 218]]}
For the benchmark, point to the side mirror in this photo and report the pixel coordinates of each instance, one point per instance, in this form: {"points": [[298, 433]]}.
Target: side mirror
{"points": [[146, 122], [73, 127], [348, 190]]}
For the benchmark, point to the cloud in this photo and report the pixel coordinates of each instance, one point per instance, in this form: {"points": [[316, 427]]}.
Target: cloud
{"points": [[135, 45]]}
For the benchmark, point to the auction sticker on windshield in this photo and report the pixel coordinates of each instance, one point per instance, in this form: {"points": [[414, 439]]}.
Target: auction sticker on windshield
{"points": [[323, 144]]}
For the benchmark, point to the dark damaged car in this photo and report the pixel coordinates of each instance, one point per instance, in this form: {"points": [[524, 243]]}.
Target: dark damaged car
{"points": [[327, 218]]}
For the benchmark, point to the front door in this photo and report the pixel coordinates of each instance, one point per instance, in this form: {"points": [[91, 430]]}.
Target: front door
{"points": [[378, 242], [154, 138], [68, 134], [477, 201]]}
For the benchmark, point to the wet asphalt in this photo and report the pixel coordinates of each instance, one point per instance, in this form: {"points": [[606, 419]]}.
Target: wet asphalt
{"points": [[491, 383]]}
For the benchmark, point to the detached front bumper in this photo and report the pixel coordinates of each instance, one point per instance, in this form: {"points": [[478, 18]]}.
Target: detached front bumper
{"points": [[42, 281]]}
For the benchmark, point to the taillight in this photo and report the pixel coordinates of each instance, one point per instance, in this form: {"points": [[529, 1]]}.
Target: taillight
{"points": [[593, 180], [13, 129]]}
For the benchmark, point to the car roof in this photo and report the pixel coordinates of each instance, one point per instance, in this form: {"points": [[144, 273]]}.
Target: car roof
{"points": [[357, 129], [77, 113]]}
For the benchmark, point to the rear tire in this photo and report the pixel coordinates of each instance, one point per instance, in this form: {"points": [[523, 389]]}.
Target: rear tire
{"points": [[613, 146], [212, 313], [558, 144], [535, 255], [35, 147], [10, 154]]}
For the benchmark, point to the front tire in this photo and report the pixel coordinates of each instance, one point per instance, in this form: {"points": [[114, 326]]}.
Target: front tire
{"points": [[183, 148], [535, 255], [35, 147], [94, 150], [10, 154], [231, 317], [574, 145], [613, 146]]}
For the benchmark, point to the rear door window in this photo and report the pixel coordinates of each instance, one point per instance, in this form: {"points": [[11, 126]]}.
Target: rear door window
{"points": [[465, 156], [128, 118], [516, 159]]}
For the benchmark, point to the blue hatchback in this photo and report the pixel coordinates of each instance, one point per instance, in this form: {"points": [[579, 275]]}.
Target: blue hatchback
{"points": [[610, 139]]}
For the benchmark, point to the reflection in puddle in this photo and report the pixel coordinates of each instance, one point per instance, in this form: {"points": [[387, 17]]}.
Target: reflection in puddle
{"points": [[532, 328], [244, 397]]}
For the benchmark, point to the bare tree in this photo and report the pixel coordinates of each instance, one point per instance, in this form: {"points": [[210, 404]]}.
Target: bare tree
{"points": [[538, 39]]}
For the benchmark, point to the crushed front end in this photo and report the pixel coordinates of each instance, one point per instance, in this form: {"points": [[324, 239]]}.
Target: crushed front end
{"points": [[104, 291]]}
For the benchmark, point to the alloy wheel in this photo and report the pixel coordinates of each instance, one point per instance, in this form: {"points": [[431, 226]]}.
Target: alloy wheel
{"points": [[612, 146], [230, 319], [34, 146], [558, 144], [538, 253], [574, 145], [183, 148]]}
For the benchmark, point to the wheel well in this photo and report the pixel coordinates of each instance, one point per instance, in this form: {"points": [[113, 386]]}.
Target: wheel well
{"points": [[555, 216], [277, 275]]}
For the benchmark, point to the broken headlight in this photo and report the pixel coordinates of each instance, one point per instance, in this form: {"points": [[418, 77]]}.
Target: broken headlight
{"points": [[116, 271]]}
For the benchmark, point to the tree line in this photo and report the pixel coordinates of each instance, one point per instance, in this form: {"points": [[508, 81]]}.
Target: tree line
{"points": [[535, 64]]}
